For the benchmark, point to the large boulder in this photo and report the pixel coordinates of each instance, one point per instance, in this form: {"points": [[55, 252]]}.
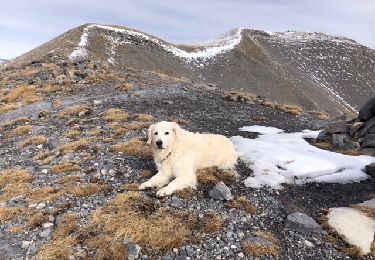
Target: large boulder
{"points": [[369, 141], [336, 127], [302, 223], [367, 111], [368, 128]]}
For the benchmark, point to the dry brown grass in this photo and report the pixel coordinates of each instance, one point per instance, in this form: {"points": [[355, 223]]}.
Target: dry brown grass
{"points": [[136, 218], [239, 96], [145, 174], [142, 117], [267, 235], [134, 147], [20, 131], [320, 115], [118, 129], [19, 120], [65, 167], [68, 223], [10, 213], [85, 190], [26, 94], [209, 177], [96, 132], [34, 140], [242, 203], [115, 114], [187, 193], [131, 186], [125, 86], [56, 249], [14, 229], [76, 110], [74, 146], [14, 182], [37, 219], [259, 118], [70, 179], [255, 250], [268, 104], [47, 193], [4, 108], [74, 132], [291, 109]]}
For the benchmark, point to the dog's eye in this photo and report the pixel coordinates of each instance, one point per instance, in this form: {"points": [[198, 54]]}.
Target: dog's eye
{"points": [[166, 133], [156, 133]]}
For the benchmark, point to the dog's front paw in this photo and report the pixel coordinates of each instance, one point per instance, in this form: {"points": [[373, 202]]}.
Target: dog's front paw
{"points": [[145, 185], [164, 192]]}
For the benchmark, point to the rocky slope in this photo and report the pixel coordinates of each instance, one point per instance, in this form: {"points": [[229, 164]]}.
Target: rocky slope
{"points": [[316, 71], [72, 153]]}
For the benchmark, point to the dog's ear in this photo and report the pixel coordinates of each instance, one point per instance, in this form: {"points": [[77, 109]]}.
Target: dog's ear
{"points": [[150, 134], [177, 130]]}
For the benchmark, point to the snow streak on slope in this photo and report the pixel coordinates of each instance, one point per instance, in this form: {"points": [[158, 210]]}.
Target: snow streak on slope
{"points": [[206, 50], [277, 158]]}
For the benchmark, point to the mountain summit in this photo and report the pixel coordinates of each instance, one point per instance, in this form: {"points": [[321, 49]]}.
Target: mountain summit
{"points": [[314, 70]]}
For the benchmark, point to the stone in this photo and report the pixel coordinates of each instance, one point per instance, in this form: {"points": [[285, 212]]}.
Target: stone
{"points": [[338, 140], [176, 202], [367, 111], [354, 128], [302, 223], [47, 225], [367, 151], [41, 205], [133, 250], [370, 169], [9, 251], [369, 127], [25, 244], [45, 233], [336, 127], [323, 137], [32, 249], [220, 192], [368, 141]]}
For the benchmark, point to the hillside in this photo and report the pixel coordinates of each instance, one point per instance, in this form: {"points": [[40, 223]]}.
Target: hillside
{"points": [[314, 70]]}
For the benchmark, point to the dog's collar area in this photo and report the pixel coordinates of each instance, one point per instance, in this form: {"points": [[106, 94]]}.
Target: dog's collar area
{"points": [[165, 157]]}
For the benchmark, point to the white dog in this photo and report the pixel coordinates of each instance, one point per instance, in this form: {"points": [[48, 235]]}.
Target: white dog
{"points": [[179, 153]]}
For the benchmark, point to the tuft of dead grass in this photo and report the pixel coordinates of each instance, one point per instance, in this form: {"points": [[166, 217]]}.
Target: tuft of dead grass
{"points": [[20, 131], [291, 109], [118, 129], [70, 179], [74, 146], [187, 193], [209, 177], [115, 114], [74, 132], [134, 147], [145, 174], [47, 193], [142, 117], [14, 229], [9, 213], [24, 93], [255, 250], [56, 249], [34, 140], [242, 203], [19, 120], [136, 218], [76, 110], [67, 224], [131, 186], [320, 115], [4, 108], [14, 182], [37, 219], [125, 86], [65, 167], [85, 190]]}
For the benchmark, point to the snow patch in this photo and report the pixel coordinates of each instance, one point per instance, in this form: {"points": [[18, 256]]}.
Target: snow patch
{"points": [[353, 226], [206, 50], [277, 157]]}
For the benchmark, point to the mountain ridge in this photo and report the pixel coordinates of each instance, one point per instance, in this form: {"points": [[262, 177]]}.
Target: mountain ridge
{"points": [[313, 70]]}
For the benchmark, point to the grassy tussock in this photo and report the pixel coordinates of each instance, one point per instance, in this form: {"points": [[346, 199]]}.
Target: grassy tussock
{"points": [[65, 167], [20, 131], [187, 193], [70, 179], [56, 249], [14, 182], [145, 174], [320, 115], [291, 109], [142, 117], [4, 108], [125, 86], [115, 114], [136, 218], [47, 193], [34, 140], [20, 120], [14, 229], [9, 213], [74, 146], [134, 147], [259, 119], [37, 219], [68, 223], [255, 250], [118, 129], [74, 132], [26, 94], [77, 110], [209, 177], [85, 190], [131, 186], [242, 203]]}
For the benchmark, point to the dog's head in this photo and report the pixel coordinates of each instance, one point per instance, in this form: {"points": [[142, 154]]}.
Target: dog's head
{"points": [[163, 135]]}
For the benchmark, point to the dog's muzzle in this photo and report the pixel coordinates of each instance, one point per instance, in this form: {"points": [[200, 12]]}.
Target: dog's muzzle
{"points": [[159, 144]]}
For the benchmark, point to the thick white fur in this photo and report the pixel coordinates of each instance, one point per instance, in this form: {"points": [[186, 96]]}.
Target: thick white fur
{"points": [[182, 154]]}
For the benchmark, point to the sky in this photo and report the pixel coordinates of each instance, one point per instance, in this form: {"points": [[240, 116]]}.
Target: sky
{"points": [[25, 24]]}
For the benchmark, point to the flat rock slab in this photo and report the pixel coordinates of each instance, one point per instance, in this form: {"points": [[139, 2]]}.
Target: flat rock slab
{"points": [[220, 192], [302, 223], [353, 226]]}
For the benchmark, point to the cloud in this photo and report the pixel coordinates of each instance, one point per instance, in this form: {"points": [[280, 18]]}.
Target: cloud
{"points": [[26, 24]]}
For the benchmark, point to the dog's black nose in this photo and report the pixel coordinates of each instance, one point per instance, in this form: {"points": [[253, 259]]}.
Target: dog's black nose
{"points": [[159, 143]]}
